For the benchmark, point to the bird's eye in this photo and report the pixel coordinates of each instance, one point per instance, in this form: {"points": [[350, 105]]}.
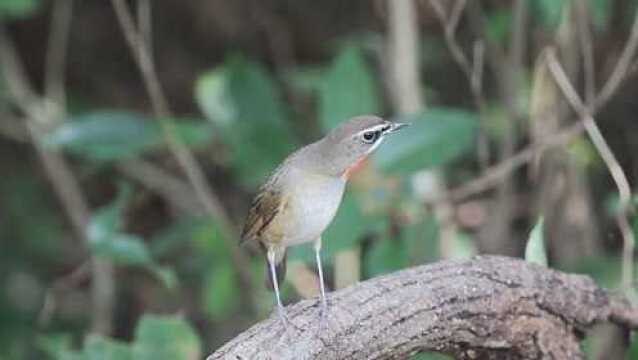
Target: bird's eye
{"points": [[371, 136]]}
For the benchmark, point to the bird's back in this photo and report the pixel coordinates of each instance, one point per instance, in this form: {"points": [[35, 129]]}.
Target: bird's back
{"points": [[294, 205]]}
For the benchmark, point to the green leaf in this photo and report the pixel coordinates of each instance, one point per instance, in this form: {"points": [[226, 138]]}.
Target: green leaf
{"points": [[192, 132], [56, 346], [349, 226], [463, 246], [241, 98], [348, 89], [105, 135], [107, 240], [122, 249], [221, 291], [107, 220], [386, 255], [97, 347], [307, 79], [212, 93], [165, 337], [430, 356], [422, 240], [174, 237], [535, 250], [208, 241], [498, 25], [548, 12], [116, 135], [632, 353], [18, 8], [600, 11], [436, 137], [166, 275]]}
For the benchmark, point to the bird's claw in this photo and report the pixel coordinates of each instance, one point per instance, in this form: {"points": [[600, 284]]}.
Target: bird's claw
{"points": [[323, 313]]}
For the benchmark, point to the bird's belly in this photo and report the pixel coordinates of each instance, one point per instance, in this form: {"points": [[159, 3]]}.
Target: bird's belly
{"points": [[314, 212]]}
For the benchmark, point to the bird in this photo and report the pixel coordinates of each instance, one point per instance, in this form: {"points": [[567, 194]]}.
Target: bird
{"points": [[301, 197]]}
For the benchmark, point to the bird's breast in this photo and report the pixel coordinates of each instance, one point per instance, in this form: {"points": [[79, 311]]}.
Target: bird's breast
{"points": [[314, 205]]}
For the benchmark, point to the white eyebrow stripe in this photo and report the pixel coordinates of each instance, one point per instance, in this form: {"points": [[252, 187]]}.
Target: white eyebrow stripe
{"points": [[372, 128]]}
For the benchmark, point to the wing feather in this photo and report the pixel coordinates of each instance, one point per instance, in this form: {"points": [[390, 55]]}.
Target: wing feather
{"points": [[264, 209]]}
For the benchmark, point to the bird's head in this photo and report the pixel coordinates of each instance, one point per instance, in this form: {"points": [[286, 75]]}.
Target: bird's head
{"points": [[347, 146]]}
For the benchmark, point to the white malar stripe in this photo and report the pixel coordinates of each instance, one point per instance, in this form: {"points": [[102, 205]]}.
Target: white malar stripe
{"points": [[376, 145]]}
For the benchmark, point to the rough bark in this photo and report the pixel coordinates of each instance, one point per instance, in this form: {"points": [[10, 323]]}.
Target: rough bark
{"points": [[484, 308]]}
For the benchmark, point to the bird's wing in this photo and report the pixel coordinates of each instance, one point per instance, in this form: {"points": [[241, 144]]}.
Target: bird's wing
{"points": [[265, 207]]}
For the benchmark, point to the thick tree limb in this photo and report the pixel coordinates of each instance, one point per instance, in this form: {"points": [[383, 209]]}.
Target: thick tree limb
{"points": [[486, 308]]}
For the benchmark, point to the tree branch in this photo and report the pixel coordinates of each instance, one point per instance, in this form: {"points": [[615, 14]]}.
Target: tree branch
{"points": [[488, 307]]}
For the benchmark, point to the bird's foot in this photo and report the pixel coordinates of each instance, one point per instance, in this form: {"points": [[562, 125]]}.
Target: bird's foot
{"points": [[283, 317], [323, 313]]}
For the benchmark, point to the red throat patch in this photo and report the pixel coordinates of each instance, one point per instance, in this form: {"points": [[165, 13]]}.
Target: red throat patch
{"points": [[355, 167]]}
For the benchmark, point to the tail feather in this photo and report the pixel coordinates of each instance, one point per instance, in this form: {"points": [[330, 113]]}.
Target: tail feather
{"points": [[280, 269]]}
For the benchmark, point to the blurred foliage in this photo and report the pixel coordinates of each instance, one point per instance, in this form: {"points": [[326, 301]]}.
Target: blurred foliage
{"points": [[347, 89], [114, 135], [18, 8], [242, 100], [107, 240], [156, 337], [436, 137], [430, 356], [258, 107]]}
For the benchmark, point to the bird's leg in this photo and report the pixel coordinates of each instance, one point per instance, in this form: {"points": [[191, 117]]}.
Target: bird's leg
{"points": [[324, 303], [273, 274]]}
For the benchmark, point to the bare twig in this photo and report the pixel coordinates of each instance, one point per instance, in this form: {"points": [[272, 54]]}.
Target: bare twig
{"points": [[617, 173], [449, 25], [185, 158], [473, 71], [64, 183], [622, 67], [171, 188], [403, 58], [145, 24], [495, 174], [587, 49], [54, 72], [69, 281]]}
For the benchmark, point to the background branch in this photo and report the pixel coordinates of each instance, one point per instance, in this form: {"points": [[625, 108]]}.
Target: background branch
{"points": [[617, 173], [495, 174], [185, 158], [59, 173]]}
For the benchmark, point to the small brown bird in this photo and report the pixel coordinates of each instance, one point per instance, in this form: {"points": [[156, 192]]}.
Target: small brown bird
{"points": [[302, 196]]}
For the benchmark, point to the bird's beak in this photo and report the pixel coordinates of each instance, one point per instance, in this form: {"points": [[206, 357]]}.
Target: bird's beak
{"points": [[396, 126]]}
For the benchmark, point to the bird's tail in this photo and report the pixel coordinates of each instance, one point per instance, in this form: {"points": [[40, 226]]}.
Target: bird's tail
{"points": [[280, 269]]}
